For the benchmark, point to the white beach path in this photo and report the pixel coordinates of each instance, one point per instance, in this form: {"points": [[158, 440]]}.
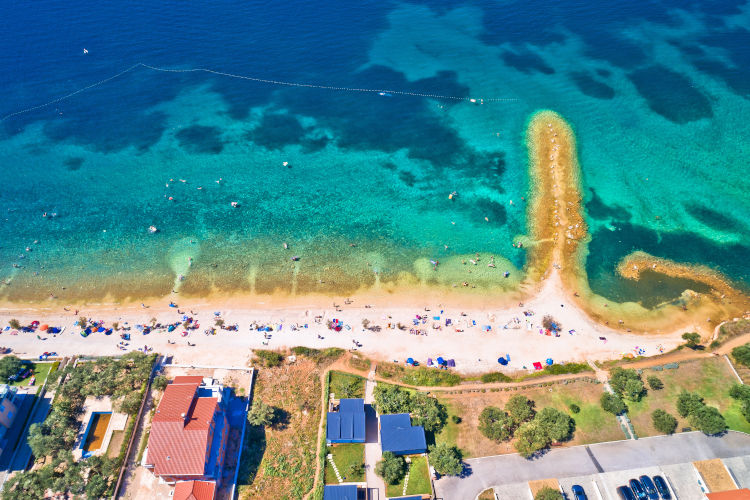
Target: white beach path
{"points": [[474, 349]]}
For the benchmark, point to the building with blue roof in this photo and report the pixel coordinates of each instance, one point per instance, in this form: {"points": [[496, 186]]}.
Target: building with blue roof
{"points": [[398, 436], [340, 492], [346, 424]]}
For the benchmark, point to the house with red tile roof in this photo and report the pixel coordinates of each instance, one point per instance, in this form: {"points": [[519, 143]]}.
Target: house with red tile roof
{"points": [[195, 490], [189, 432]]}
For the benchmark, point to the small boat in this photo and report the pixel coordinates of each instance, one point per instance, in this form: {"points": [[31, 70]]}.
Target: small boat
{"points": [[152, 229], [85, 51], [385, 94]]}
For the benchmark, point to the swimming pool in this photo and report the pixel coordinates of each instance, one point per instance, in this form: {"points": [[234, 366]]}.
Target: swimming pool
{"points": [[95, 432]]}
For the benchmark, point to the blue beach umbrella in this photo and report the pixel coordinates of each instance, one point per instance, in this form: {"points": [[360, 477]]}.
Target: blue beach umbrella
{"points": [[502, 361], [410, 361], [440, 361], [549, 361]]}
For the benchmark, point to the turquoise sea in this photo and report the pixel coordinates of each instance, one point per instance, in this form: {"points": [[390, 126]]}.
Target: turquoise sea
{"points": [[657, 92]]}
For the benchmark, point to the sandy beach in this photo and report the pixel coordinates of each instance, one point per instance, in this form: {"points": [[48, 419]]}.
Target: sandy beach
{"points": [[467, 340]]}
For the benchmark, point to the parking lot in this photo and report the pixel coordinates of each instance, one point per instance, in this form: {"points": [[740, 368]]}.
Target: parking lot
{"points": [[682, 479]]}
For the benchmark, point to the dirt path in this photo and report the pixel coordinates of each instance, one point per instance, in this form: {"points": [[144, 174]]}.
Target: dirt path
{"points": [[321, 431]]}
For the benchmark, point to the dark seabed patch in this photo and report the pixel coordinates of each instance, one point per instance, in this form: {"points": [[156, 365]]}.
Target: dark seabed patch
{"points": [[591, 87], [107, 134], [597, 209], [200, 139], [671, 94], [73, 163], [407, 178], [736, 79], [494, 211], [604, 72], [608, 247], [712, 218], [526, 62], [277, 131], [380, 123]]}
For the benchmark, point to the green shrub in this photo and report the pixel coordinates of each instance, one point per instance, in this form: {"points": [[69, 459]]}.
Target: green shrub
{"points": [[655, 382], [548, 493], [488, 378], [612, 403], [574, 408], [423, 376], [663, 421], [269, 359], [320, 356], [741, 354], [567, 368]]}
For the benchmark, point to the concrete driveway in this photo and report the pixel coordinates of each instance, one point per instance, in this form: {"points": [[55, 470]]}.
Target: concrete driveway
{"points": [[485, 472]]}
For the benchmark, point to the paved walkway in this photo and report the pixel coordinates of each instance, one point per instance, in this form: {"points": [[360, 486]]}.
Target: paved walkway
{"points": [[372, 445], [483, 473]]}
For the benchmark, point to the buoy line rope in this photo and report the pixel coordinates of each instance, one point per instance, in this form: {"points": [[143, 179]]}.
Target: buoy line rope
{"points": [[254, 79]]}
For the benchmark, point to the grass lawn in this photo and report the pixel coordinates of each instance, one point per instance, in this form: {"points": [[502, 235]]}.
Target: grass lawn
{"points": [[41, 372], [593, 424], [345, 385], [344, 455], [419, 480], [711, 378], [419, 477], [279, 462]]}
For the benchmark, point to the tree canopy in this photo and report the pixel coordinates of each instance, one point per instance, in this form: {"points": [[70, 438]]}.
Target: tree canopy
{"points": [[520, 409], [261, 414], [612, 403], [548, 426], [706, 418], [741, 354], [425, 410], [663, 421], [124, 380], [446, 459], [9, 365], [627, 383], [391, 468], [496, 424], [688, 402]]}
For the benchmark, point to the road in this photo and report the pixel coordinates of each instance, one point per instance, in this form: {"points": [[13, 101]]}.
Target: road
{"points": [[485, 472], [373, 454]]}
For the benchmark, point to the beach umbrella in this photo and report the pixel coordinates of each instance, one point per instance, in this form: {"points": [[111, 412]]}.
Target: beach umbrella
{"points": [[549, 361], [44, 327], [452, 363], [502, 361], [410, 361], [441, 361], [429, 362]]}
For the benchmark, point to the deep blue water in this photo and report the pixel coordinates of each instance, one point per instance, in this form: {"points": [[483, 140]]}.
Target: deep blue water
{"points": [[657, 92]]}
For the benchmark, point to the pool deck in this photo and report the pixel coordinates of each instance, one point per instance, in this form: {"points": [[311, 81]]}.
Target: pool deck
{"points": [[116, 423]]}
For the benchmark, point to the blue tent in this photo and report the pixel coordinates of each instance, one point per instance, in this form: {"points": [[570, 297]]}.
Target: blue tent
{"points": [[549, 361], [440, 361], [502, 361], [410, 361]]}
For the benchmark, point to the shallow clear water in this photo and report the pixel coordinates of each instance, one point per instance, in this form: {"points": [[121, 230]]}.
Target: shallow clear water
{"points": [[657, 93]]}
